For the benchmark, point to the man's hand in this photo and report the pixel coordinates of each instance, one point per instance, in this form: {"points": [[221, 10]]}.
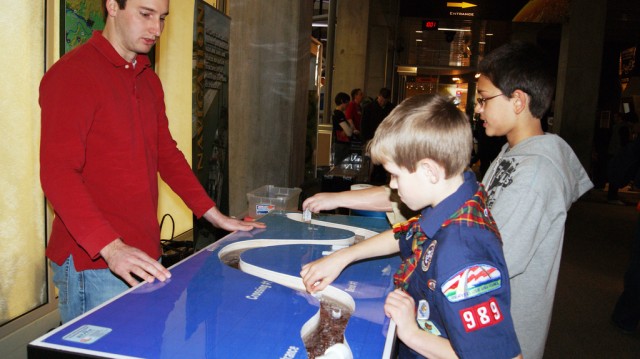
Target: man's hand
{"points": [[215, 217], [126, 261]]}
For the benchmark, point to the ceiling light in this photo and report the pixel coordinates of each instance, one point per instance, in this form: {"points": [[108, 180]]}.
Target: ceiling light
{"points": [[452, 29]]}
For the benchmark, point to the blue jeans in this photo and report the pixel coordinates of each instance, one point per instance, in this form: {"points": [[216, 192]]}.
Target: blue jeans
{"points": [[81, 291]]}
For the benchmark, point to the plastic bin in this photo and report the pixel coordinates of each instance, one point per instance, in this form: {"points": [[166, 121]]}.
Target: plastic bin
{"points": [[269, 198]]}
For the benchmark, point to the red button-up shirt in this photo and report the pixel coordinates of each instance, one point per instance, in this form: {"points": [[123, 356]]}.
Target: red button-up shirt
{"points": [[105, 138]]}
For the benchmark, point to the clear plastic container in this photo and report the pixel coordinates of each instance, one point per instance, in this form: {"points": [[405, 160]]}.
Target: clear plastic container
{"points": [[269, 198]]}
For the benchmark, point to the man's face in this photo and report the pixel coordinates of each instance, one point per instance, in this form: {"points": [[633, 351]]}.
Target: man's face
{"points": [[358, 97], [138, 26], [381, 101], [497, 111]]}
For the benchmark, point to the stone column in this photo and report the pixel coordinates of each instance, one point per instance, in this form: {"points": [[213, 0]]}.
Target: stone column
{"points": [[350, 50], [579, 75], [268, 85]]}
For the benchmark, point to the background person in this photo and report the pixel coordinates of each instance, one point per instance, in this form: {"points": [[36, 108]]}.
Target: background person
{"points": [[343, 129], [372, 116], [353, 112]]}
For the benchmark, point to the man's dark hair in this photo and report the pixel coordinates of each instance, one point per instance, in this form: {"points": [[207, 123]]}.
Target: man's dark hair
{"points": [[521, 66], [121, 3], [342, 98], [385, 93], [354, 92]]}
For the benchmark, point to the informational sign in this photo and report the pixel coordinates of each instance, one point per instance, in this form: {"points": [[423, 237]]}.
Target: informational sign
{"points": [[513, 10], [210, 101]]}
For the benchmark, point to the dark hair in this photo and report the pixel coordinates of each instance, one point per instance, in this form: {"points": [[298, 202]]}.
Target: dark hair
{"points": [[354, 92], [342, 98], [121, 3], [385, 93], [521, 66]]}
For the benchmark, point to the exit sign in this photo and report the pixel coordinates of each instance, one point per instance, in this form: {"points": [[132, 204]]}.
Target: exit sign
{"points": [[429, 24]]}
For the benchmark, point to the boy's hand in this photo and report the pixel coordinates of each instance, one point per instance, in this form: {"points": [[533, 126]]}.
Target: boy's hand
{"points": [[323, 201], [400, 307], [319, 274]]}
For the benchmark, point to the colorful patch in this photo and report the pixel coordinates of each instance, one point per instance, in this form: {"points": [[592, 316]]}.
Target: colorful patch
{"points": [[431, 283], [428, 256], [423, 311], [471, 282], [481, 315], [428, 326]]}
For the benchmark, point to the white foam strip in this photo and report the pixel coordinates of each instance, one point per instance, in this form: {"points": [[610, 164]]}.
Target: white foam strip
{"points": [[366, 233]]}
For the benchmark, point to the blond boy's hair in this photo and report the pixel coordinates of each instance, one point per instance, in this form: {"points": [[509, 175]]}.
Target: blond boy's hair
{"points": [[424, 126]]}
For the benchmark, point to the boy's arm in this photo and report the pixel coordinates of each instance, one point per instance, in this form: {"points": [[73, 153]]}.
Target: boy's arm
{"points": [[319, 274], [400, 307], [369, 199]]}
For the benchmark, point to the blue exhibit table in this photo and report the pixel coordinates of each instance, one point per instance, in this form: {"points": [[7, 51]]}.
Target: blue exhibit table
{"points": [[242, 297]]}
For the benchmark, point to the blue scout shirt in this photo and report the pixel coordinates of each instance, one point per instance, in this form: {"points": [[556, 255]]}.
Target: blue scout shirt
{"points": [[455, 270]]}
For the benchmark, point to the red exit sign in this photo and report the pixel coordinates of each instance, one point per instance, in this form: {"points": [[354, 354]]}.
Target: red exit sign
{"points": [[429, 24]]}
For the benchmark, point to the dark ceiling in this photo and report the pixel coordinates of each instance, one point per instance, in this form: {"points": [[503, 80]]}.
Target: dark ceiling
{"points": [[622, 25]]}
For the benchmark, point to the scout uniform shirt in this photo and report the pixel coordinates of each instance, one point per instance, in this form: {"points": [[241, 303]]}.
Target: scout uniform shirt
{"points": [[455, 270]]}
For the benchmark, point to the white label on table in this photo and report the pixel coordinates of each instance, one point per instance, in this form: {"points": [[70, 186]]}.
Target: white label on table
{"points": [[87, 334]]}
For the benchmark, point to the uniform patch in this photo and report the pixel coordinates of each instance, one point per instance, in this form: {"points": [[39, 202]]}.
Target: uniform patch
{"points": [[428, 326], [409, 235], [423, 311], [431, 283], [481, 315], [471, 282], [428, 256]]}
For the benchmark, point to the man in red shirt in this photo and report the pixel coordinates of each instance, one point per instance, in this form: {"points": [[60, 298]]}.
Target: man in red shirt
{"points": [[100, 155], [353, 112]]}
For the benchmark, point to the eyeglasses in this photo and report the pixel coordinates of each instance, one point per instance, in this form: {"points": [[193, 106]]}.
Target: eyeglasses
{"points": [[482, 101]]}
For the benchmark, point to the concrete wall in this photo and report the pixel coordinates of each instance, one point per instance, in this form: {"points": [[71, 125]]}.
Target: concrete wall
{"points": [[268, 83], [381, 48], [350, 50]]}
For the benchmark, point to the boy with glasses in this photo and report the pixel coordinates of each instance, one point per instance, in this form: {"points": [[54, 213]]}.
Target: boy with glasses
{"points": [[531, 184]]}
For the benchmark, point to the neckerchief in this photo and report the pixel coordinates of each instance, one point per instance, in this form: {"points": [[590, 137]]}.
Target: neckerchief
{"points": [[401, 278], [473, 212]]}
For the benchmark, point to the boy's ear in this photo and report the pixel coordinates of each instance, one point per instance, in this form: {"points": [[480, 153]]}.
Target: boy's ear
{"points": [[520, 101], [431, 170]]}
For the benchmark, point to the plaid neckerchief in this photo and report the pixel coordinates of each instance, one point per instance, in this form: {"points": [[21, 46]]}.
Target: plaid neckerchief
{"points": [[473, 212], [400, 230]]}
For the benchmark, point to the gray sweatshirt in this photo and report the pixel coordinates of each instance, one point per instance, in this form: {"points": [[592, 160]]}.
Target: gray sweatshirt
{"points": [[531, 187]]}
